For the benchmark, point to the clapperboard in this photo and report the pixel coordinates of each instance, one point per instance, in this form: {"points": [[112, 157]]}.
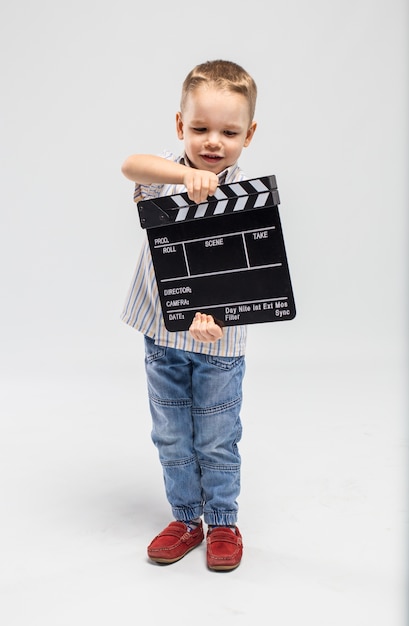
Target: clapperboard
{"points": [[225, 257]]}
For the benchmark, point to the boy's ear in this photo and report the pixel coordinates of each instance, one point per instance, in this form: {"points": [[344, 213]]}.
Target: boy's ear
{"points": [[250, 133], [179, 125]]}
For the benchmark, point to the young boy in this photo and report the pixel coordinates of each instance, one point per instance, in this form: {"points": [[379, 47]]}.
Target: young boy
{"points": [[195, 377]]}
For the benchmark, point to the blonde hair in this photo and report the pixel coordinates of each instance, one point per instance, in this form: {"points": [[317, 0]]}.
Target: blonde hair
{"points": [[224, 75]]}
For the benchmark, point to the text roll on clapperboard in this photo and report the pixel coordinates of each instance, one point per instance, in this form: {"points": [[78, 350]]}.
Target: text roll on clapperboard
{"points": [[225, 257]]}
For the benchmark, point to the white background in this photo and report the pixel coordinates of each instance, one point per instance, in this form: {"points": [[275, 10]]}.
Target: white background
{"points": [[323, 508]]}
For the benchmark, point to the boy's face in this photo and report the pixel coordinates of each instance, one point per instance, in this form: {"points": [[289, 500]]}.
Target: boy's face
{"points": [[215, 126]]}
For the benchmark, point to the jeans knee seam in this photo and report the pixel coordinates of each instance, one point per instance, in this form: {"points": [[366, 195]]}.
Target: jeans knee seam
{"points": [[221, 467], [169, 402], [178, 462], [219, 408]]}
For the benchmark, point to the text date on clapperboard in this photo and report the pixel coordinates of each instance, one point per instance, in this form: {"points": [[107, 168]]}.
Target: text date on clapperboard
{"points": [[225, 257]]}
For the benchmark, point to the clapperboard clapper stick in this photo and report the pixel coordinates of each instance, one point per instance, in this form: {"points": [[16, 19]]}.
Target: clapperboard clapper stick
{"points": [[225, 257]]}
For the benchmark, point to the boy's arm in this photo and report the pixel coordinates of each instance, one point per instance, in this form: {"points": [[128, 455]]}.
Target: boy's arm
{"points": [[148, 168]]}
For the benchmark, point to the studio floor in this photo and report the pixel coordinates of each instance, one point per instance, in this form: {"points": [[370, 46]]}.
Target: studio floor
{"points": [[322, 510]]}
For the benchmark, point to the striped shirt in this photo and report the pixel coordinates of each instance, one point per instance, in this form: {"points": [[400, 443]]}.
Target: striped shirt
{"points": [[142, 308]]}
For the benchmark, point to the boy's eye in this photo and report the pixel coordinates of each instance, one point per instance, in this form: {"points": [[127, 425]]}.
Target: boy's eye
{"points": [[227, 133]]}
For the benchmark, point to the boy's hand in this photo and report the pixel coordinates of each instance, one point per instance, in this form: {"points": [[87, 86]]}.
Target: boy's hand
{"points": [[199, 184], [204, 328]]}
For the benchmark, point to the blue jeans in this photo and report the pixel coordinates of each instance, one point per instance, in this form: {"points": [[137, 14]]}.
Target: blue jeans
{"points": [[195, 402]]}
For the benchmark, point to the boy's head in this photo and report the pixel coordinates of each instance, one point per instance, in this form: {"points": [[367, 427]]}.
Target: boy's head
{"points": [[216, 114], [224, 75]]}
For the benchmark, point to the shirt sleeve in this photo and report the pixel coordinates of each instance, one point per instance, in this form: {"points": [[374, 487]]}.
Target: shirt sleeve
{"points": [[148, 192]]}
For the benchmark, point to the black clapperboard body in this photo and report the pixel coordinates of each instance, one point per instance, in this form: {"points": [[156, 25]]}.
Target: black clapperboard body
{"points": [[225, 257]]}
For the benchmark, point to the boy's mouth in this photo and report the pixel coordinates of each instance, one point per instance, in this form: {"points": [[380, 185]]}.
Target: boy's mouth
{"points": [[211, 158]]}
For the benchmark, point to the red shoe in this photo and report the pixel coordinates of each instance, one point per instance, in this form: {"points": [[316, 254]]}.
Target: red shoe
{"points": [[224, 548], [174, 542]]}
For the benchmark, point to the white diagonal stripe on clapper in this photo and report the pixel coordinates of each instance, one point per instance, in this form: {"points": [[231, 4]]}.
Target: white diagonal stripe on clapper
{"points": [[181, 214], [179, 200], [261, 199], [240, 204], [183, 211], [238, 189], [220, 207], [219, 195], [258, 185], [201, 210]]}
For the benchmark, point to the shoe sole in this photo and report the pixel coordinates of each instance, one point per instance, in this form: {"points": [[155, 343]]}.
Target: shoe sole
{"points": [[223, 568]]}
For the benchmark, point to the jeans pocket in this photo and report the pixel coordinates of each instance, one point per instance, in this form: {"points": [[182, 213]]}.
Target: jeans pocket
{"points": [[152, 351], [225, 363]]}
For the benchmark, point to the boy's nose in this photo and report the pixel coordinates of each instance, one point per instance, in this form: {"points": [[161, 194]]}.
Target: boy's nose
{"points": [[212, 140]]}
